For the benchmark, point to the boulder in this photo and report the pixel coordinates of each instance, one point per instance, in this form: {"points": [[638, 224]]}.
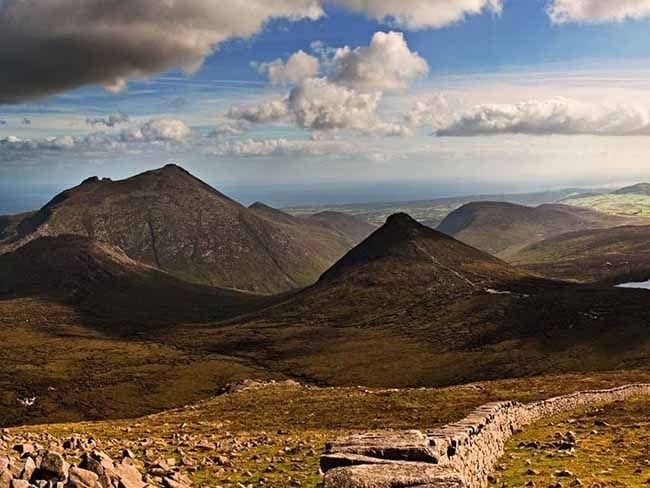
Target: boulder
{"points": [[53, 467], [82, 478], [128, 475]]}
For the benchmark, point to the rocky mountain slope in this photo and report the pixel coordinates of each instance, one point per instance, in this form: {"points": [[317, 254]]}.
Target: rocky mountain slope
{"points": [[502, 229], [171, 220]]}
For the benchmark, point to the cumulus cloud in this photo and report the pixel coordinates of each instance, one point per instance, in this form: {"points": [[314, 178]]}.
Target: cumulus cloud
{"points": [[436, 111], [297, 68], [158, 130], [594, 11], [155, 134], [51, 46], [260, 148], [267, 111], [348, 96], [321, 105], [112, 120], [386, 64], [419, 14], [236, 129], [555, 116]]}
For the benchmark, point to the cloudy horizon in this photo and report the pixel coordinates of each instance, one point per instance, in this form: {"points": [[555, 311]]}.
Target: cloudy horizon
{"points": [[479, 94]]}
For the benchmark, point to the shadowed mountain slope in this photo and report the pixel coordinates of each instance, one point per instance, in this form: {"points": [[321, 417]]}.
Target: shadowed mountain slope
{"points": [[112, 290], [411, 306], [502, 229], [169, 219], [592, 255]]}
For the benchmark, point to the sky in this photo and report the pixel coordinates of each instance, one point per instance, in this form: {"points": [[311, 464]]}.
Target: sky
{"points": [[264, 96]]}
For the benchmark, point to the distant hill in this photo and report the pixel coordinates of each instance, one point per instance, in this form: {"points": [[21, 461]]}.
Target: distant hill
{"points": [[591, 255], [350, 228], [638, 189], [502, 229], [169, 219], [630, 201], [432, 212]]}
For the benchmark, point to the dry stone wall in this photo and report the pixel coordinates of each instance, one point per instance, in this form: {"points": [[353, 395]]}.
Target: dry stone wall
{"points": [[459, 455]]}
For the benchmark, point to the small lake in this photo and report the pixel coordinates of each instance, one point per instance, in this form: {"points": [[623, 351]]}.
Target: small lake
{"points": [[643, 285]]}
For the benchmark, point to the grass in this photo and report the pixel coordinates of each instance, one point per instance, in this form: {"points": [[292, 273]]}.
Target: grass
{"points": [[80, 372], [277, 433], [613, 449]]}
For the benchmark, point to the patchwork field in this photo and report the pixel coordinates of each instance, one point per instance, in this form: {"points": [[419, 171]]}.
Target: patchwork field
{"points": [[625, 204]]}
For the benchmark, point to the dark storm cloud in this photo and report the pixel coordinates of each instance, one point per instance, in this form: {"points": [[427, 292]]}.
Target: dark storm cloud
{"points": [[49, 46]]}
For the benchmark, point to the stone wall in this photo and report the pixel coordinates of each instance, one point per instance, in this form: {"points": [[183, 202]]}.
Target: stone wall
{"points": [[458, 455]]}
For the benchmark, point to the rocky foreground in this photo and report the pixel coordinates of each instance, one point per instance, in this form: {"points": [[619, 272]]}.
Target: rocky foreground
{"points": [[44, 461], [256, 435]]}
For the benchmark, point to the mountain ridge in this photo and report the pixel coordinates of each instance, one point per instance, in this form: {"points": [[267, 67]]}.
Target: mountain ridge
{"points": [[502, 229], [170, 219]]}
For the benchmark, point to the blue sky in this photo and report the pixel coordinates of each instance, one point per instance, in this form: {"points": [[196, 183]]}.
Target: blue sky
{"points": [[505, 96]]}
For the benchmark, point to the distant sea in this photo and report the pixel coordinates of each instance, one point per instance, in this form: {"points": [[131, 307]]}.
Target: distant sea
{"points": [[24, 197]]}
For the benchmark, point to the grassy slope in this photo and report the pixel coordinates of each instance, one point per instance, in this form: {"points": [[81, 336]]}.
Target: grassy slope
{"points": [[77, 372], [287, 426], [503, 229], [616, 204], [612, 448], [605, 254]]}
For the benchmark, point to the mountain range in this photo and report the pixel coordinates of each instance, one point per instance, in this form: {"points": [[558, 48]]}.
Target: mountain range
{"points": [[120, 298]]}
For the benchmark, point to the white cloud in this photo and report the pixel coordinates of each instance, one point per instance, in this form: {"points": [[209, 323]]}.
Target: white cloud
{"points": [[112, 120], [554, 116], [321, 105], [297, 68], [419, 14], [349, 96], [386, 64], [267, 111], [262, 148], [158, 130], [224, 130], [563, 11], [106, 42], [436, 111]]}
